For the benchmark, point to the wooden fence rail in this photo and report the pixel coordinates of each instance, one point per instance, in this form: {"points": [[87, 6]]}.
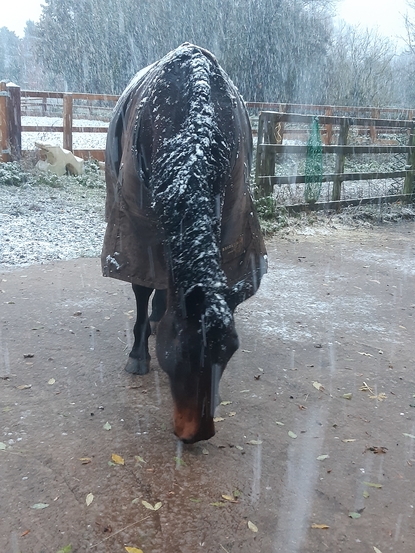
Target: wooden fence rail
{"points": [[12, 99], [290, 120], [271, 130]]}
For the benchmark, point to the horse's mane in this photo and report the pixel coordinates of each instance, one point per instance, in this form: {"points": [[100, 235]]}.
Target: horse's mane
{"points": [[189, 171]]}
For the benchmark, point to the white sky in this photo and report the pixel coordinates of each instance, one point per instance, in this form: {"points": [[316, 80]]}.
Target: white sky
{"points": [[385, 14], [15, 13]]}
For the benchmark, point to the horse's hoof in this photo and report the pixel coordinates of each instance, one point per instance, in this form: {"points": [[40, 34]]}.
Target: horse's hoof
{"points": [[137, 366]]}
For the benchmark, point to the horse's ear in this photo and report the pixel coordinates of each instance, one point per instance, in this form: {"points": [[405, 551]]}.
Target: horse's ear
{"points": [[194, 303]]}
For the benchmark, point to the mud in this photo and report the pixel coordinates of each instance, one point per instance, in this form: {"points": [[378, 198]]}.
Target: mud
{"points": [[335, 314]]}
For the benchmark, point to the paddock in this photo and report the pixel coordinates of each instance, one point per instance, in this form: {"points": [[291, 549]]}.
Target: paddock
{"points": [[314, 449]]}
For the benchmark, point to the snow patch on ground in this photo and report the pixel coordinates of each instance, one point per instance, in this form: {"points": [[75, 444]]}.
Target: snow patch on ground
{"points": [[81, 141], [39, 224]]}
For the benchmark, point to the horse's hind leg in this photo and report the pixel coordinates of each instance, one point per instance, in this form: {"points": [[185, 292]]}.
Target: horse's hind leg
{"points": [[139, 359], [158, 308]]}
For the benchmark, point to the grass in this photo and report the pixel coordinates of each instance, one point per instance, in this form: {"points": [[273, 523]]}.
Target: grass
{"points": [[16, 174]]}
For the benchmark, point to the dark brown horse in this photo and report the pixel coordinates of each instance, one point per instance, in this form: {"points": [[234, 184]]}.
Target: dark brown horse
{"points": [[181, 221]]}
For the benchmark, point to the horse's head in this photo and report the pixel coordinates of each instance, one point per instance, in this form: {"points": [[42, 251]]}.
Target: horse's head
{"points": [[194, 352]]}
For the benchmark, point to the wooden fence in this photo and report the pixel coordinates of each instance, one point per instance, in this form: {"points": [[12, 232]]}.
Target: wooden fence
{"points": [[274, 126], [289, 121], [12, 100]]}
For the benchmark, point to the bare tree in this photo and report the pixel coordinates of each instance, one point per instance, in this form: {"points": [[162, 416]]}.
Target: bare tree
{"points": [[361, 69]]}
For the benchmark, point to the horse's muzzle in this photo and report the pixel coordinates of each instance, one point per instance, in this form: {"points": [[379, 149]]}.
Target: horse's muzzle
{"points": [[190, 427]]}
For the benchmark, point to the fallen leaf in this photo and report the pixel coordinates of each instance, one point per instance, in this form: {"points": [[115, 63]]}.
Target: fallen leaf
{"points": [[218, 504], [24, 533], [347, 396], [279, 423], [151, 507], [133, 550], [107, 426], [292, 435], [322, 457], [229, 498], [320, 526], [40, 505], [252, 526], [117, 459], [225, 402], [205, 451], [240, 448], [89, 499], [408, 435], [218, 419], [365, 388], [51, 381], [237, 493], [354, 515], [66, 549], [377, 550], [24, 387], [318, 386], [365, 494], [379, 397], [139, 459], [194, 500], [85, 460], [370, 484], [179, 461], [3, 445], [377, 449], [254, 442]]}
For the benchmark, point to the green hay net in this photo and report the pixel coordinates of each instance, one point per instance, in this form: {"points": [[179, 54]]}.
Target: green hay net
{"points": [[313, 164]]}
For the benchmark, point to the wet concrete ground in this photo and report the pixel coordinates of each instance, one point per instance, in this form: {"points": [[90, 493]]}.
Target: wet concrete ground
{"points": [[334, 316]]}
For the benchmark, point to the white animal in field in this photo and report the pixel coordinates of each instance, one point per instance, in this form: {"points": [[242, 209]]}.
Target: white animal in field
{"points": [[58, 160]]}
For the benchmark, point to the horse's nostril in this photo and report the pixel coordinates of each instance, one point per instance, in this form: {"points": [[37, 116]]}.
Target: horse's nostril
{"points": [[204, 432]]}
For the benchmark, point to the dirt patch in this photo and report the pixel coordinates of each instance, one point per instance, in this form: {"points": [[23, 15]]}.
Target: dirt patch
{"points": [[337, 308]]}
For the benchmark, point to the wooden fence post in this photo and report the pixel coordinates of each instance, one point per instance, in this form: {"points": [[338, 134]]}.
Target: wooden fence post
{"points": [[67, 121], [339, 167], [4, 128], [14, 121], [265, 160], [408, 185], [329, 128], [373, 132]]}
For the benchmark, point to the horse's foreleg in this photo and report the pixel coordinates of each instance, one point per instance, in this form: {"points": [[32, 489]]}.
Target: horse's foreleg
{"points": [[139, 359], [158, 308]]}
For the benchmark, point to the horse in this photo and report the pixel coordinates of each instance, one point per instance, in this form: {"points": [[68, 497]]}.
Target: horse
{"points": [[181, 221]]}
